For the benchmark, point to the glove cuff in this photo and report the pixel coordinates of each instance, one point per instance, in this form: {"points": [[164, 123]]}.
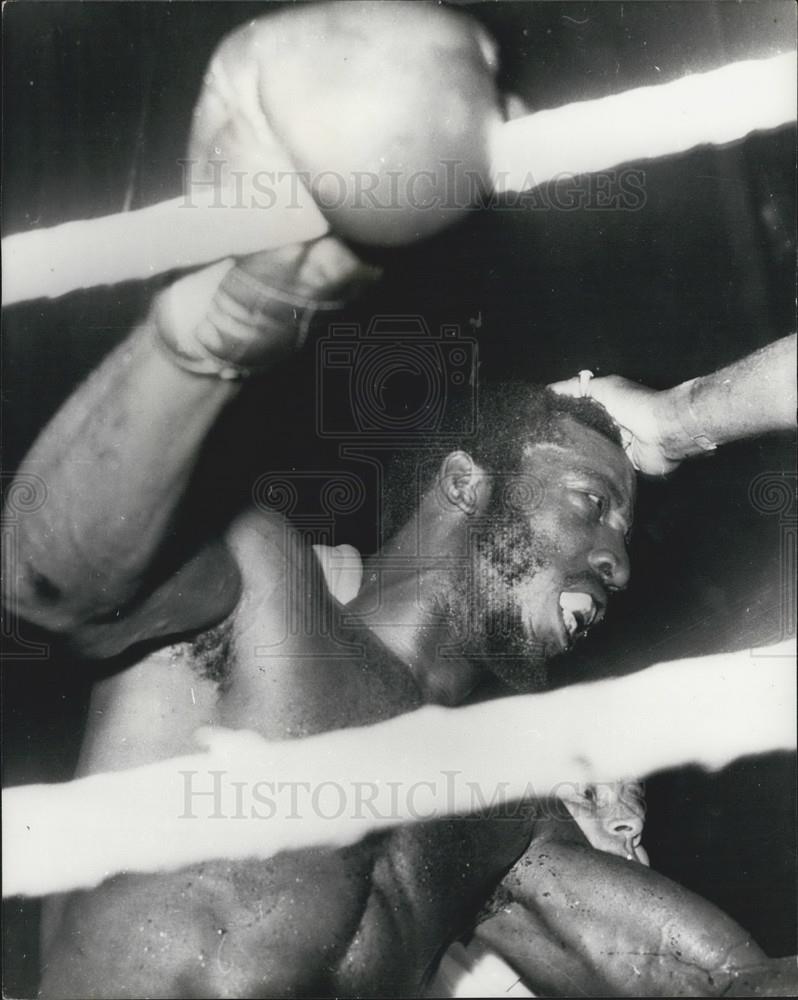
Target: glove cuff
{"points": [[216, 322]]}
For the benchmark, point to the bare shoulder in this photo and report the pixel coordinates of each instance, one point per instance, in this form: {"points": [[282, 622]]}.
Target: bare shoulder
{"points": [[187, 596], [283, 589], [209, 590], [259, 536], [272, 555]]}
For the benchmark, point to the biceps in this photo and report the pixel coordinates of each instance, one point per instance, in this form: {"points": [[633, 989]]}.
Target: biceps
{"points": [[199, 594], [582, 917]]}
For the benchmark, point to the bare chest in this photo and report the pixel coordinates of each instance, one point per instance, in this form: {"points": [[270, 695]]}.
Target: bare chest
{"points": [[368, 920], [365, 920]]}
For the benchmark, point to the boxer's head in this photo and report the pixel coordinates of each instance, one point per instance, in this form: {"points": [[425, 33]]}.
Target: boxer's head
{"points": [[544, 494], [611, 815]]}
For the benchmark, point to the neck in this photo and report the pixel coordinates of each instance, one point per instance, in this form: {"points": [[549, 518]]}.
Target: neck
{"points": [[404, 601]]}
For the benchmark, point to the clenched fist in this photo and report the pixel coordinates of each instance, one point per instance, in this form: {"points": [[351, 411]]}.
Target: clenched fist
{"points": [[383, 110]]}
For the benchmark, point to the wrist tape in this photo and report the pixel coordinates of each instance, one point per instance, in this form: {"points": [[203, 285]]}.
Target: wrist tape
{"points": [[207, 322]]}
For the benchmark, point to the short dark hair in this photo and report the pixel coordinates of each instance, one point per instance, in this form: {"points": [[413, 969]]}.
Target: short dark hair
{"points": [[510, 415]]}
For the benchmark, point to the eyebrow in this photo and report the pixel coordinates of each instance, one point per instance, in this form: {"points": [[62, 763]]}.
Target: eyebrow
{"points": [[624, 503]]}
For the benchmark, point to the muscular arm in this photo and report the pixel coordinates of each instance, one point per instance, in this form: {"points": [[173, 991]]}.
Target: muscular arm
{"points": [[579, 922], [749, 397], [115, 462], [117, 458]]}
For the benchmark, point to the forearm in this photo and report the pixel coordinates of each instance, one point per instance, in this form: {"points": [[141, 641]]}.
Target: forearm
{"points": [[752, 396], [581, 921], [117, 458], [115, 461]]}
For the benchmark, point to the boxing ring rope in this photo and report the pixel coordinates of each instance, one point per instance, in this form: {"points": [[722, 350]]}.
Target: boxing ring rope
{"points": [[247, 797], [181, 233], [713, 108], [166, 815], [716, 107]]}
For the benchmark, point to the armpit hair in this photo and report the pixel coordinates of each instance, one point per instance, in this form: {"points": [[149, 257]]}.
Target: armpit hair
{"points": [[213, 652]]}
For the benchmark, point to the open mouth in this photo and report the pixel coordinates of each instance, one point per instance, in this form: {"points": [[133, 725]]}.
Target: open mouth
{"points": [[579, 611]]}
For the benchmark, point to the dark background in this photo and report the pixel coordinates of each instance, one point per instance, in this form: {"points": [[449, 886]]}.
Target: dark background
{"points": [[97, 102]]}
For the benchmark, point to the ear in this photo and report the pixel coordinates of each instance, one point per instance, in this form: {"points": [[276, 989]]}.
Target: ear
{"points": [[463, 484]]}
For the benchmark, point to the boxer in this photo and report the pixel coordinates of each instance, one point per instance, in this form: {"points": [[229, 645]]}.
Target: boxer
{"points": [[507, 581]]}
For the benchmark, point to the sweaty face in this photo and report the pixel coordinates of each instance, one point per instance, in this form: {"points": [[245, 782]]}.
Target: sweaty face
{"points": [[611, 816], [548, 553]]}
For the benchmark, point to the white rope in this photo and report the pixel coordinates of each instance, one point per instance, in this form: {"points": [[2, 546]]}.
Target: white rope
{"points": [[717, 107], [182, 233], [248, 797]]}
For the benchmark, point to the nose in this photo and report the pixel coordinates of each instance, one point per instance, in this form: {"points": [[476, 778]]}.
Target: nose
{"points": [[610, 560], [625, 827]]}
